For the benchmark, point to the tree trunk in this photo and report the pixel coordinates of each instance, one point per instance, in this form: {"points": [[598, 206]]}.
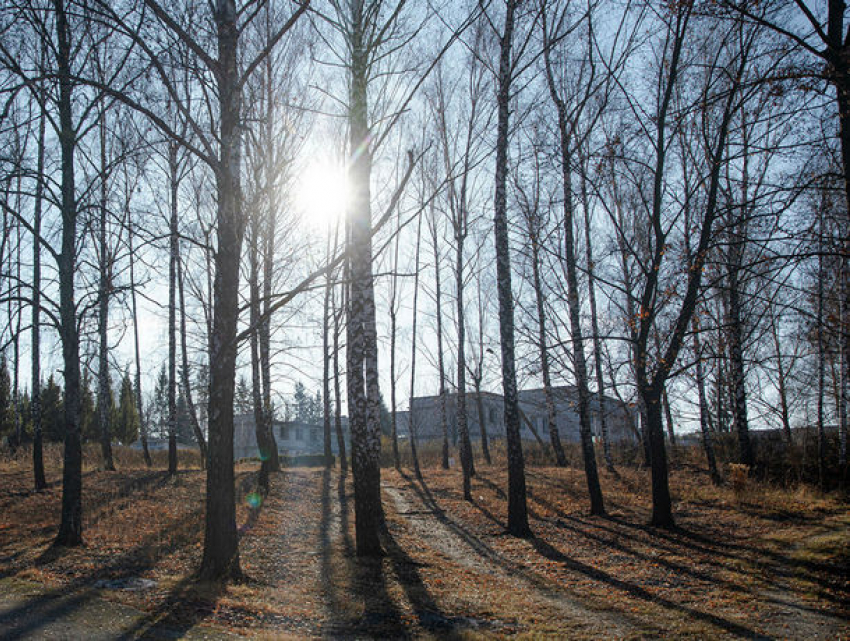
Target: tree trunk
{"points": [[103, 393], [187, 386], [704, 414], [35, 348], [783, 393], [273, 463], [143, 426], [362, 347], [221, 543], [444, 422], [841, 71], [736, 362], [631, 315], [821, 360], [466, 461], [844, 384], [411, 410], [71, 524], [597, 504], [393, 312], [340, 437], [551, 417], [172, 310], [662, 506], [326, 365], [668, 415], [260, 431], [517, 507], [594, 327], [485, 447]]}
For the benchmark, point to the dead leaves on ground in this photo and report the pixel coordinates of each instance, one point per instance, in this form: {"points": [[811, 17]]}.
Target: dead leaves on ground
{"points": [[711, 577]]}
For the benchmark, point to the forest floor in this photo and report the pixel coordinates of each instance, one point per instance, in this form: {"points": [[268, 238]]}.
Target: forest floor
{"points": [[756, 563]]}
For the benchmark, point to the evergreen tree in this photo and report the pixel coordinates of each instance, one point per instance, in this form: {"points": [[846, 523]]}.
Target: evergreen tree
{"points": [[7, 410], [159, 409], [386, 419], [125, 421], [242, 398], [111, 411], [88, 416], [301, 404], [52, 411], [185, 433]]}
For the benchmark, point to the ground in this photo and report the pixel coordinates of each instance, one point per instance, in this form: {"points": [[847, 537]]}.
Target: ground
{"points": [[753, 562]]}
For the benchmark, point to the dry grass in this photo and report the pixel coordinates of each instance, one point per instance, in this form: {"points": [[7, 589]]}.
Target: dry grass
{"points": [[738, 561]]}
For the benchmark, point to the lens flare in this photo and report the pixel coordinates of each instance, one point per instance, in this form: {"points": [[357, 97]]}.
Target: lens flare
{"points": [[254, 500]]}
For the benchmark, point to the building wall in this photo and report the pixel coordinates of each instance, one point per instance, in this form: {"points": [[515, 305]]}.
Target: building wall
{"points": [[426, 411], [291, 437]]}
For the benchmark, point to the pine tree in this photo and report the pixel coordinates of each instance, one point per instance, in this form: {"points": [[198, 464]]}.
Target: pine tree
{"points": [[159, 411], [88, 416], [242, 397], [52, 411], [7, 421], [125, 422]]}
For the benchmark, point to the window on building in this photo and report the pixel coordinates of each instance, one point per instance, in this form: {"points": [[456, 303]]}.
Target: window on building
{"points": [[299, 434], [492, 415]]}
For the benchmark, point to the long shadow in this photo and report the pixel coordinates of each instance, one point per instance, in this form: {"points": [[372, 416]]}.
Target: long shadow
{"points": [[182, 610], [711, 549], [428, 613], [333, 603], [563, 523], [667, 542], [59, 602], [544, 585], [380, 617], [729, 549], [106, 504], [551, 553], [702, 543]]}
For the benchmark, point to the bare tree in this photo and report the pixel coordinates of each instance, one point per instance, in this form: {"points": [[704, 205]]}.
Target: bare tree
{"points": [[567, 135], [517, 508], [438, 293]]}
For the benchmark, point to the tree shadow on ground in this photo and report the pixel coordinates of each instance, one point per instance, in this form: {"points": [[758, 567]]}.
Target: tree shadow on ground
{"points": [[428, 614], [584, 529], [184, 607], [546, 550], [187, 604], [55, 604], [380, 616]]}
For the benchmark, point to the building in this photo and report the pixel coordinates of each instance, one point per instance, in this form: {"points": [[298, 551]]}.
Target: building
{"points": [[621, 420], [293, 438]]}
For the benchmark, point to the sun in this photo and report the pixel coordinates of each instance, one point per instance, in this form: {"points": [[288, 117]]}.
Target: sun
{"points": [[322, 193]]}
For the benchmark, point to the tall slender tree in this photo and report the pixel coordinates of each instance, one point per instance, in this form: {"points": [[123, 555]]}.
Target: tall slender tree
{"points": [[517, 507]]}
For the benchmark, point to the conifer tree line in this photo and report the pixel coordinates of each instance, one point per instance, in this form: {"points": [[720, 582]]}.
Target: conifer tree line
{"points": [[644, 201]]}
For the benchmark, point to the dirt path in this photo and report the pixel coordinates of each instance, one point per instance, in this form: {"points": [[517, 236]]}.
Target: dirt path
{"points": [[500, 576], [31, 611], [793, 617]]}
